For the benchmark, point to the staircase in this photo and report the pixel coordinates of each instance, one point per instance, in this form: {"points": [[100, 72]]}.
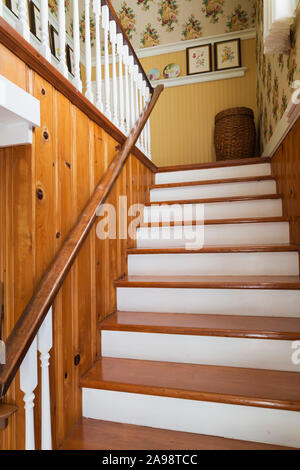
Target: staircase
{"points": [[199, 353]]}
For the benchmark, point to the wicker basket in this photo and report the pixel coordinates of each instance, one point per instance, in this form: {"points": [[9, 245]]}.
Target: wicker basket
{"points": [[235, 134]]}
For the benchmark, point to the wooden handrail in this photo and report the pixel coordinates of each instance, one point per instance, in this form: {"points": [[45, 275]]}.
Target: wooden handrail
{"points": [[27, 327], [114, 16]]}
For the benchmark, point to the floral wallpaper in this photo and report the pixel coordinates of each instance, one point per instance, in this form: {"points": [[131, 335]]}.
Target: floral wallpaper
{"points": [[275, 76], [149, 23]]}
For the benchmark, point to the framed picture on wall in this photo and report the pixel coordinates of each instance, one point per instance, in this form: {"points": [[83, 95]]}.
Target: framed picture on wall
{"points": [[35, 20], [13, 6], [54, 42], [199, 59], [228, 54], [70, 59]]}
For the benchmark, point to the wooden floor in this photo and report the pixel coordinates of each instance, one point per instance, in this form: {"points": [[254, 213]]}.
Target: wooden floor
{"points": [[92, 434], [232, 385]]}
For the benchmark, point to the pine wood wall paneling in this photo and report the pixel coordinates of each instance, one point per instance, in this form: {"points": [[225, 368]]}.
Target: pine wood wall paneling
{"points": [[66, 167], [286, 169]]}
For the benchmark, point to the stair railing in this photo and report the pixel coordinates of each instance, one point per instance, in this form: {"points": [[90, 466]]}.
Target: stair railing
{"points": [[130, 112], [120, 92]]}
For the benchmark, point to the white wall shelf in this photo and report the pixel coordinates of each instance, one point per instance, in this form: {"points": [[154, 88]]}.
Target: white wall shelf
{"points": [[19, 113], [201, 77]]}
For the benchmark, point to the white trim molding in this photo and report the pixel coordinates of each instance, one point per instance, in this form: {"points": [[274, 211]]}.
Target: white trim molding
{"points": [[183, 45], [286, 123], [19, 113], [201, 78]]}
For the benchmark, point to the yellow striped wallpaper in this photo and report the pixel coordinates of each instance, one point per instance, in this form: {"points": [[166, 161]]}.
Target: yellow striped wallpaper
{"points": [[182, 124]]}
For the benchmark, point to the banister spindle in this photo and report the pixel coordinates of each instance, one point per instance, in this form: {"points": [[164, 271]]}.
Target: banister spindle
{"points": [[1, 8], [127, 93], [148, 97], [136, 74], [139, 84], [45, 343], [144, 86], [131, 72], [45, 49], [76, 40], [28, 383], [113, 40], [105, 25], [23, 24], [88, 52], [97, 13], [120, 49], [62, 37]]}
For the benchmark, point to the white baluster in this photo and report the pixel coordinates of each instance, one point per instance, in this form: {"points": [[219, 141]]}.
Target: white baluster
{"points": [[131, 71], [62, 37], [105, 25], [23, 25], [121, 84], [136, 74], [113, 40], [148, 129], [142, 95], [28, 383], [45, 343], [127, 93], [76, 40], [45, 49], [1, 8], [88, 52], [139, 85], [97, 12]]}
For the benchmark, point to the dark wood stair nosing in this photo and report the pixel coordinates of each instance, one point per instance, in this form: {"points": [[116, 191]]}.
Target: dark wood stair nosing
{"points": [[211, 282], [250, 179], [230, 331], [215, 200], [212, 165], [217, 249], [237, 221], [110, 374]]}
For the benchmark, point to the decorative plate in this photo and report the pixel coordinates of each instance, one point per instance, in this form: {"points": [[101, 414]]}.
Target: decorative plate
{"points": [[153, 74], [171, 71]]}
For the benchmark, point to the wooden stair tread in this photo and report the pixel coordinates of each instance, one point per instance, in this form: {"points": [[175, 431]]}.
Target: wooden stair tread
{"points": [[215, 200], [211, 182], [216, 249], [220, 164], [231, 385], [212, 282], [234, 326], [93, 434], [237, 221]]}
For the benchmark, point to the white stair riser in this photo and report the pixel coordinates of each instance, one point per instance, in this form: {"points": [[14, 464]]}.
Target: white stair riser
{"points": [[214, 419], [218, 210], [243, 171], [219, 351], [210, 235], [257, 302], [234, 264], [212, 191]]}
